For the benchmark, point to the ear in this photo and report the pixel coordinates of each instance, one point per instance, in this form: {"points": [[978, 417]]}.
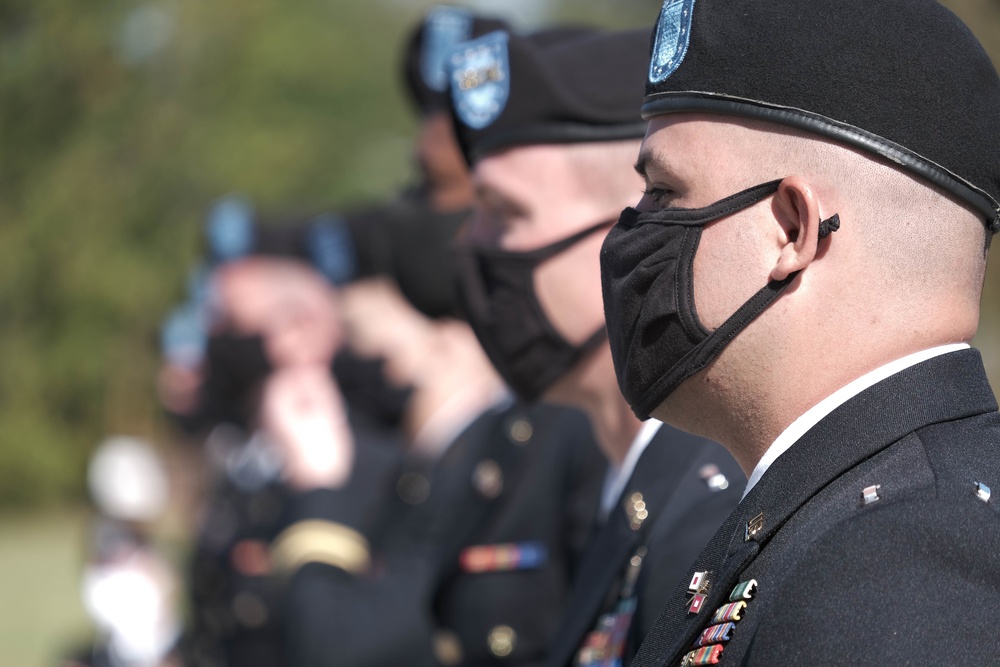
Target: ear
{"points": [[797, 213]]}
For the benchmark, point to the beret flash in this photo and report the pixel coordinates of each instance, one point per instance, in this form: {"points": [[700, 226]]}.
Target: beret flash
{"points": [[904, 80], [563, 86], [429, 46]]}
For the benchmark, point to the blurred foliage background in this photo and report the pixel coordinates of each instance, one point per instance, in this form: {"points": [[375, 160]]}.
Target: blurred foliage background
{"points": [[120, 122]]}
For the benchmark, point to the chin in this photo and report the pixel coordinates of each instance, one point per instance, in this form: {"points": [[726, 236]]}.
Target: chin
{"points": [[561, 393], [683, 411]]}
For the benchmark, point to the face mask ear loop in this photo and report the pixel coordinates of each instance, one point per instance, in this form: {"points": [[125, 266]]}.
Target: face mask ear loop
{"points": [[829, 226], [708, 349]]}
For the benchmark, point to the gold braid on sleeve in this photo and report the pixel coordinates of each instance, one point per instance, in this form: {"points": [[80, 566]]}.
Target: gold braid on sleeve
{"points": [[316, 541]]}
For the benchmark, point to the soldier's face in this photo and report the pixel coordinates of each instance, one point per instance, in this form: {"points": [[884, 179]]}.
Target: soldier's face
{"points": [[528, 198], [691, 161], [289, 304]]}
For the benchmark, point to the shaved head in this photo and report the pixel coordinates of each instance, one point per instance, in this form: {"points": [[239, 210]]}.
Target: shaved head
{"points": [[903, 273], [914, 242]]}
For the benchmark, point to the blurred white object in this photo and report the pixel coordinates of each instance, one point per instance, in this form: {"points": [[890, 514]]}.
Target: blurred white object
{"points": [[127, 480], [131, 600]]}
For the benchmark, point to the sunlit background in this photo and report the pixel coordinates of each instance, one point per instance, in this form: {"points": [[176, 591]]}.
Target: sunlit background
{"points": [[120, 122]]}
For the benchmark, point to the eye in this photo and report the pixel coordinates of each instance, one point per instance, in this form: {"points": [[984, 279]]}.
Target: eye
{"points": [[657, 196]]}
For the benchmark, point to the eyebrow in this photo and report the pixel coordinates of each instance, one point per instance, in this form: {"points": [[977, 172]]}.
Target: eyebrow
{"points": [[642, 163], [658, 161]]}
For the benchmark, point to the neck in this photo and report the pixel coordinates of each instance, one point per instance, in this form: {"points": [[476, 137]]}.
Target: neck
{"points": [[595, 391], [751, 409], [437, 411]]}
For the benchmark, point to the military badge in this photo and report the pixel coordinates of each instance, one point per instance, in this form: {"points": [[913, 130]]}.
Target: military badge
{"points": [[480, 82], [230, 229], [673, 34], [754, 526], [444, 29], [331, 248]]}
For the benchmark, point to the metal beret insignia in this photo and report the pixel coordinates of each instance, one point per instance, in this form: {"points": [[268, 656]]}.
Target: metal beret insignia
{"points": [[480, 81], [673, 34], [444, 29]]}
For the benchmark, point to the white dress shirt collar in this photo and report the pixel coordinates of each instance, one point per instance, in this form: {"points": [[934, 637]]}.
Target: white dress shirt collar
{"points": [[813, 415]]}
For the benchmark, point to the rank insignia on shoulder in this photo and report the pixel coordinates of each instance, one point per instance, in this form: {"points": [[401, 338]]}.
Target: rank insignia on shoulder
{"points": [[480, 81], [754, 526], [709, 655], [870, 494], [744, 590], [503, 557]]}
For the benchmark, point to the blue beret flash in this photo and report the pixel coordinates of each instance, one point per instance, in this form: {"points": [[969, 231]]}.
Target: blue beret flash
{"points": [[444, 29], [229, 229]]}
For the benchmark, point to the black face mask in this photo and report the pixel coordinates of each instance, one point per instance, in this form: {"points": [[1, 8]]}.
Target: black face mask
{"points": [[372, 401], [647, 263], [236, 365], [497, 289]]}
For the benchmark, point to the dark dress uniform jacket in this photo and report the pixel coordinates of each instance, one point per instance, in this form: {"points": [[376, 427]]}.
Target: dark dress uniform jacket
{"points": [[516, 477], [679, 481], [869, 539]]}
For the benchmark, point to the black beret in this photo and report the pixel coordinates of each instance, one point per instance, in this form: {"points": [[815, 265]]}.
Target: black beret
{"points": [[405, 239], [233, 231], [904, 80], [411, 242], [553, 87], [429, 45]]}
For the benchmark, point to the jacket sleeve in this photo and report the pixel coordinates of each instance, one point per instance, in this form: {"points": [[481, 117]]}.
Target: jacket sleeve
{"points": [[342, 606]]}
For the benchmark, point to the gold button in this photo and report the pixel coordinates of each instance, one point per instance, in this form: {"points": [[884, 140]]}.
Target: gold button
{"points": [[635, 508], [521, 431], [249, 610], [488, 478], [413, 488], [447, 648], [501, 640]]}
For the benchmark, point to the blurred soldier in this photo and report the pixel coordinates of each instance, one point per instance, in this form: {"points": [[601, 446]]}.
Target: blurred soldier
{"points": [[551, 131], [267, 313], [129, 588], [478, 569], [800, 281]]}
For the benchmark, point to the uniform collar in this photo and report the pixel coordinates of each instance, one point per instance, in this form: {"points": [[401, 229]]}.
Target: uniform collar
{"points": [[815, 414], [619, 476], [943, 388]]}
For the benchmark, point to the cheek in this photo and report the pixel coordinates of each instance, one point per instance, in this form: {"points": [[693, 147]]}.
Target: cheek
{"points": [[569, 289], [731, 265]]}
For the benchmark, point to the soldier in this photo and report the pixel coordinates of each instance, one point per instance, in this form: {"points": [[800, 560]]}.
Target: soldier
{"points": [[477, 570], [800, 282], [550, 131]]}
